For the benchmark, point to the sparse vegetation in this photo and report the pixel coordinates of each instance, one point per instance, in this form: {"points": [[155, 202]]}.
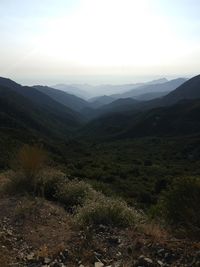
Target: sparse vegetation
{"points": [[180, 205], [33, 176], [27, 208]]}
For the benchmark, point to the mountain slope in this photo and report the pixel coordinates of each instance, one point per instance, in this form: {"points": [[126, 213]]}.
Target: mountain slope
{"points": [[188, 90], [55, 110], [99, 101], [177, 113], [72, 89], [19, 114], [150, 96], [118, 106], [179, 119], [108, 126], [145, 97], [68, 100], [29, 116]]}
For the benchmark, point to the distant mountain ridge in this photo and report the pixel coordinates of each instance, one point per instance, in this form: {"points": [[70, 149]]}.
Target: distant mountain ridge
{"points": [[174, 114], [99, 101], [142, 91], [46, 110], [72, 89], [87, 91], [149, 88]]}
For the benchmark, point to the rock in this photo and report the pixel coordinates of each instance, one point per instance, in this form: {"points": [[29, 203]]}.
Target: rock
{"points": [[148, 260], [161, 251], [98, 264], [160, 263], [117, 264], [119, 254], [102, 227], [30, 256], [144, 261], [97, 254], [47, 260]]}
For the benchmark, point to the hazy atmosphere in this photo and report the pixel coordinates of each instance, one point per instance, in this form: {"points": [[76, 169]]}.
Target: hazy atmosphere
{"points": [[98, 41], [100, 133]]}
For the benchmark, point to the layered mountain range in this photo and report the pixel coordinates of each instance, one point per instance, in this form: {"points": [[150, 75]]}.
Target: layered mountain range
{"points": [[163, 108]]}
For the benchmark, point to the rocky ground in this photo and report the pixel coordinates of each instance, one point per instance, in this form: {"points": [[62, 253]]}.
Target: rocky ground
{"points": [[35, 233]]}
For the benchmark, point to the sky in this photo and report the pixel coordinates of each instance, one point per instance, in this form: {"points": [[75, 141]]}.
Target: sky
{"points": [[98, 41]]}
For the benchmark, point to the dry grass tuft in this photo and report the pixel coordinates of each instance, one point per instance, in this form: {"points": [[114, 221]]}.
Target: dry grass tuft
{"points": [[31, 159], [155, 231]]}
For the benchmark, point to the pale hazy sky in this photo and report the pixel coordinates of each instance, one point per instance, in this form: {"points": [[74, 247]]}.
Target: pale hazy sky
{"points": [[51, 41]]}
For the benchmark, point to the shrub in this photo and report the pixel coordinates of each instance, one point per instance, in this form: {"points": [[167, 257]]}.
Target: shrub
{"points": [[106, 211], [48, 182], [180, 204], [73, 193], [18, 183], [101, 187]]}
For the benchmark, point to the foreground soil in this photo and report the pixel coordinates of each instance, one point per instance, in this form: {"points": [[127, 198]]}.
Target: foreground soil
{"points": [[35, 232]]}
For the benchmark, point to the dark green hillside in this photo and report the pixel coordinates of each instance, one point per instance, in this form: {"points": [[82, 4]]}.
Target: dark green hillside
{"points": [[18, 112], [106, 127], [55, 109], [68, 100], [118, 106], [137, 169], [23, 121], [180, 119]]}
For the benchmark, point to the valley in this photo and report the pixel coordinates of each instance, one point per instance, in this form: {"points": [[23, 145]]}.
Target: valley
{"points": [[111, 166]]}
